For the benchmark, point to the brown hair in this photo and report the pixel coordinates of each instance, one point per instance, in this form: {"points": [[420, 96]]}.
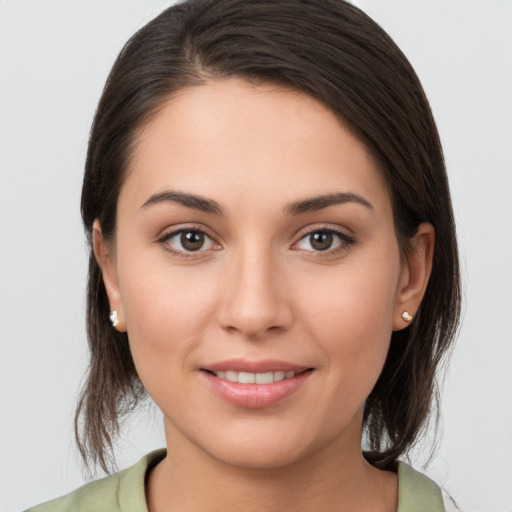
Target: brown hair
{"points": [[332, 51]]}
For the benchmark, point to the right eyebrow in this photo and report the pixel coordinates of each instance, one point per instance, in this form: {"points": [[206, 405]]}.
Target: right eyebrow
{"points": [[189, 200]]}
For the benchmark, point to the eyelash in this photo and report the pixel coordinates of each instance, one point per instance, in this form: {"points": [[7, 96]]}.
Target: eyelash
{"points": [[164, 241], [345, 241]]}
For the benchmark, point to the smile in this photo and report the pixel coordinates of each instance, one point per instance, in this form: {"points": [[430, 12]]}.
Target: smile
{"points": [[254, 378], [255, 385]]}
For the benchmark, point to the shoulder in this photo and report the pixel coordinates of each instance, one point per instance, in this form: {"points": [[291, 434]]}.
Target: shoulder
{"points": [[122, 492], [100, 495], [417, 492]]}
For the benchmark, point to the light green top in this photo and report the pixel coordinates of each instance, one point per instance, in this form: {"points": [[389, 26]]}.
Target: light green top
{"points": [[124, 492]]}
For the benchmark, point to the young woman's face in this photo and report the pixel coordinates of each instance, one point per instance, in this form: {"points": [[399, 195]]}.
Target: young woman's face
{"points": [[257, 272]]}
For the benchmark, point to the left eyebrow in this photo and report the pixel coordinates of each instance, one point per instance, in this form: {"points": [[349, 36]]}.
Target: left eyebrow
{"points": [[319, 203]]}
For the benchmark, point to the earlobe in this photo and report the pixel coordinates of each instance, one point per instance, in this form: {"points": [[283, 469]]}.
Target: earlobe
{"points": [[415, 276], [105, 258]]}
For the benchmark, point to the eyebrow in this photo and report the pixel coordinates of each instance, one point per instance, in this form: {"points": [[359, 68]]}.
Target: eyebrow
{"points": [[319, 203], [294, 209], [189, 200]]}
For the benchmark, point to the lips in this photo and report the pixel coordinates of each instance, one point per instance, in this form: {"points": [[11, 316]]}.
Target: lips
{"points": [[255, 384]]}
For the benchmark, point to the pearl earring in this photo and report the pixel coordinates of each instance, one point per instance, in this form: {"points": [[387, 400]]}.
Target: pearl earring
{"points": [[114, 320], [406, 316]]}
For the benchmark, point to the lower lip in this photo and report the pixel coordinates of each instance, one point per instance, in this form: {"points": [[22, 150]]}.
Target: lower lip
{"points": [[256, 396]]}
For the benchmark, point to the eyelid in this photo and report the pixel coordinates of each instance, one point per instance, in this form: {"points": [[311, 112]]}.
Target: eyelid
{"points": [[170, 232], [345, 235]]}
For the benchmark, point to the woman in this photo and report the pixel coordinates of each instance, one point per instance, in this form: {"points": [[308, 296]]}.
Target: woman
{"points": [[273, 260]]}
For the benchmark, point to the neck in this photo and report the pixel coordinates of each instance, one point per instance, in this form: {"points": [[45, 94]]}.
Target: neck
{"points": [[334, 479]]}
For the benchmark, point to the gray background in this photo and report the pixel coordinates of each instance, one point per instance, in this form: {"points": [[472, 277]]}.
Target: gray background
{"points": [[54, 58]]}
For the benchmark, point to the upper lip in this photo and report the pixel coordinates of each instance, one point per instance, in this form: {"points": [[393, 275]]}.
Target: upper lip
{"points": [[243, 365]]}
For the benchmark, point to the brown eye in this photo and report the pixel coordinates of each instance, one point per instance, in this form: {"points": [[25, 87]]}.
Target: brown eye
{"points": [[188, 241], [321, 240], [192, 240], [324, 240]]}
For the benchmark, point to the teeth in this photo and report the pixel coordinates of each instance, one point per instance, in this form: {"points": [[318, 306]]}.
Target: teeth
{"points": [[247, 378], [264, 378], [232, 376], [254, 378], [281, 375]]}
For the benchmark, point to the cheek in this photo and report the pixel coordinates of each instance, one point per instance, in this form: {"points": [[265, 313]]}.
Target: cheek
{"points": [[166, 311], [350, 314]]}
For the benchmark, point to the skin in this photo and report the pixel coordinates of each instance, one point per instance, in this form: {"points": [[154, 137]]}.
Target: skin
{"points": [[260, 289]]}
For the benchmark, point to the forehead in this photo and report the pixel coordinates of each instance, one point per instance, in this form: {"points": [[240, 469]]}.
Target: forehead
{"points": [[233, 141]]}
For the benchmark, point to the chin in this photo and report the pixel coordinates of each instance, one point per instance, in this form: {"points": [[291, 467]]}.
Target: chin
{"points": [[271, 448], [260, 458]]}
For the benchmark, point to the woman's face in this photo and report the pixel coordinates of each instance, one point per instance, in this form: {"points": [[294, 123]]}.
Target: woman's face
{"points": [[257, 272]]}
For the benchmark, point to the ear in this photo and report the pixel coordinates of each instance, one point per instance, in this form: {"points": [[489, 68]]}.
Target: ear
{"points": [[105, 257], [415, 275]]}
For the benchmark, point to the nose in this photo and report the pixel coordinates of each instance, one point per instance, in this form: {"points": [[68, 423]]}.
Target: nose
{"points": [[255, 301]]}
